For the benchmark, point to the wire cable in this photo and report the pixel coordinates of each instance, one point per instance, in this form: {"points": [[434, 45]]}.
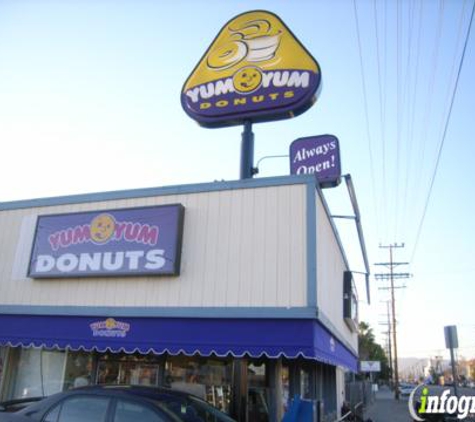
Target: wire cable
{"points": [[444, 136], [398, 113], [385, 75], [365, 102], [454, 62], [382, 204], [429, 101], [407, 144], [412, 111]]}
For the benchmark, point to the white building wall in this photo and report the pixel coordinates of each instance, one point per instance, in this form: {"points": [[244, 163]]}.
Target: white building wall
{"points": [[330, 268], [340, 389], [241, 248]]}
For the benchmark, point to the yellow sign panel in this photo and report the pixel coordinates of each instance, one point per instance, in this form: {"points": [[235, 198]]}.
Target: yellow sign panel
{"points": [[255, 69]]}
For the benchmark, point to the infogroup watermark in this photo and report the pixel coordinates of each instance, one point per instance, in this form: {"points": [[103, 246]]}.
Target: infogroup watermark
{"points": [[446, 403]]}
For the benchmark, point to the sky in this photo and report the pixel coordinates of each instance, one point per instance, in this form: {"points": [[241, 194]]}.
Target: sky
{"points": [[90, 102]]}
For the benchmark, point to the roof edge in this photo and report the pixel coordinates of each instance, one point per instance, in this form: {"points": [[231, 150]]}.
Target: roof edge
{"points": [[158, 191]]}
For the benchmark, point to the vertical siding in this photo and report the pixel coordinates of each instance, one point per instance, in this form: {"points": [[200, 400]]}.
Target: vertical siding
{"points": [[259, 249], [330, 269], [298, 231], [241, 248]]}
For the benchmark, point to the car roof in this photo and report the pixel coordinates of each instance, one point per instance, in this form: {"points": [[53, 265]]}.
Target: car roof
{"points": [[131, 391], [160, 393]]}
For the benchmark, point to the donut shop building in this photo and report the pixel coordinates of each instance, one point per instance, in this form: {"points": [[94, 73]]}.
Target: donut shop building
{"points": [[233, 291]]}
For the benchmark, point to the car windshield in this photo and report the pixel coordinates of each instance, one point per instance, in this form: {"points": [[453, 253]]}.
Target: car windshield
{"points": [[189, 408]]}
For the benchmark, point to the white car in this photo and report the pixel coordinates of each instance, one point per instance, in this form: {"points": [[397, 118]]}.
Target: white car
{"points": [[405, 389]]}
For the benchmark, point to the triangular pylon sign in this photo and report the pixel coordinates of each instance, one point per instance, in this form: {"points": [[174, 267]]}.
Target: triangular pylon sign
{"points": [[255, 70]]}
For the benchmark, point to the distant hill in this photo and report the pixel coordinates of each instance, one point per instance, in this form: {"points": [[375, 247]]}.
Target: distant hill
{"points": [[415, 366]]}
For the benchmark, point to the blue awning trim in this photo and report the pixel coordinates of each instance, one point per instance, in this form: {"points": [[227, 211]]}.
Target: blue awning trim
{"points": [[290, 338]]}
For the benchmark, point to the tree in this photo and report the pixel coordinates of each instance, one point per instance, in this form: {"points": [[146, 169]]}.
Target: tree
{"points": [[370, 350], [471, 365]]}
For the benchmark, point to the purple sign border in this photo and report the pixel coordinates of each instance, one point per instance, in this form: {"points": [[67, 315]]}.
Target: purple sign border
{"points": [[274, 110], [174, 271]]}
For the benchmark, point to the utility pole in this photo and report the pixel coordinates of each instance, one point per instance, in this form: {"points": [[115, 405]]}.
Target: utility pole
{"points": [[392, 276], [390, 344], [388, 333]]}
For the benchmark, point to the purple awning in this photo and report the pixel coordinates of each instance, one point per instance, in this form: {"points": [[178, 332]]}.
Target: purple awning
{"points": [[290, 338]]}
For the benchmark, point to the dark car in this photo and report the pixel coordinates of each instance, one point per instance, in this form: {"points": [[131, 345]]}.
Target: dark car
{"points": [[112, 403]]}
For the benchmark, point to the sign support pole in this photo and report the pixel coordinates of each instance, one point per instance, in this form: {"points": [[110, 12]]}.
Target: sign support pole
{"points": [[247, 151], [452, 343], [239, 400], [454, 371]]}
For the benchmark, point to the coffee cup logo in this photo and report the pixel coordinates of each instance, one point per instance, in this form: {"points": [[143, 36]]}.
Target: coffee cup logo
{"points": [[251, 42], [256, 70]]}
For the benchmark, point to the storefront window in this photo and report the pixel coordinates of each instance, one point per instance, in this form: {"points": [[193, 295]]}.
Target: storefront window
{"points": [[285, 388], [306, 384], [36, 372], [207, 378], [329, 389], [257, 392], [3, 352], [79, 370], [128, 369]]}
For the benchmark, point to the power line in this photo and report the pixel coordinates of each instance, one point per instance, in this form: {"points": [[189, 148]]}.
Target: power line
{"points": [[385, 75], [407, 107], [412, 113], [403, 150], [429, 100], [442, 143], [398, 110], [381, 115], [365, 106]]}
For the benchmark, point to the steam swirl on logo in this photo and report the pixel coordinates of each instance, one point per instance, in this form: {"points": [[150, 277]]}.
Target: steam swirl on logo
{"points": [[253, 28], [253, 41]]}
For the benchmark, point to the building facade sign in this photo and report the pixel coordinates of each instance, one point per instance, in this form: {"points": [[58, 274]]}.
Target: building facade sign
{"points": [[318, 155], [134, 241], [256, 70]]}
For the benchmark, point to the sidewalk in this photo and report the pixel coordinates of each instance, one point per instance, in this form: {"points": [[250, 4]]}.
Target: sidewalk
{"points": [[386, 409]]}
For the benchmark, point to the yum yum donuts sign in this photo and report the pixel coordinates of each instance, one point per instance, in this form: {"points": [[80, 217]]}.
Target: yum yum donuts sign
{"points": [[256, 70], [131, 241]]}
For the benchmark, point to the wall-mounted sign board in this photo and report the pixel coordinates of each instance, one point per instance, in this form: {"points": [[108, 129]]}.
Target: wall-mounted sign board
{"points": [[124, 242]]}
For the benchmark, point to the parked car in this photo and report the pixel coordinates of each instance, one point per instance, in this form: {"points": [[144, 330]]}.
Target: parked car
{"points": [[113, 403], [405, 389], [18, 404]]}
